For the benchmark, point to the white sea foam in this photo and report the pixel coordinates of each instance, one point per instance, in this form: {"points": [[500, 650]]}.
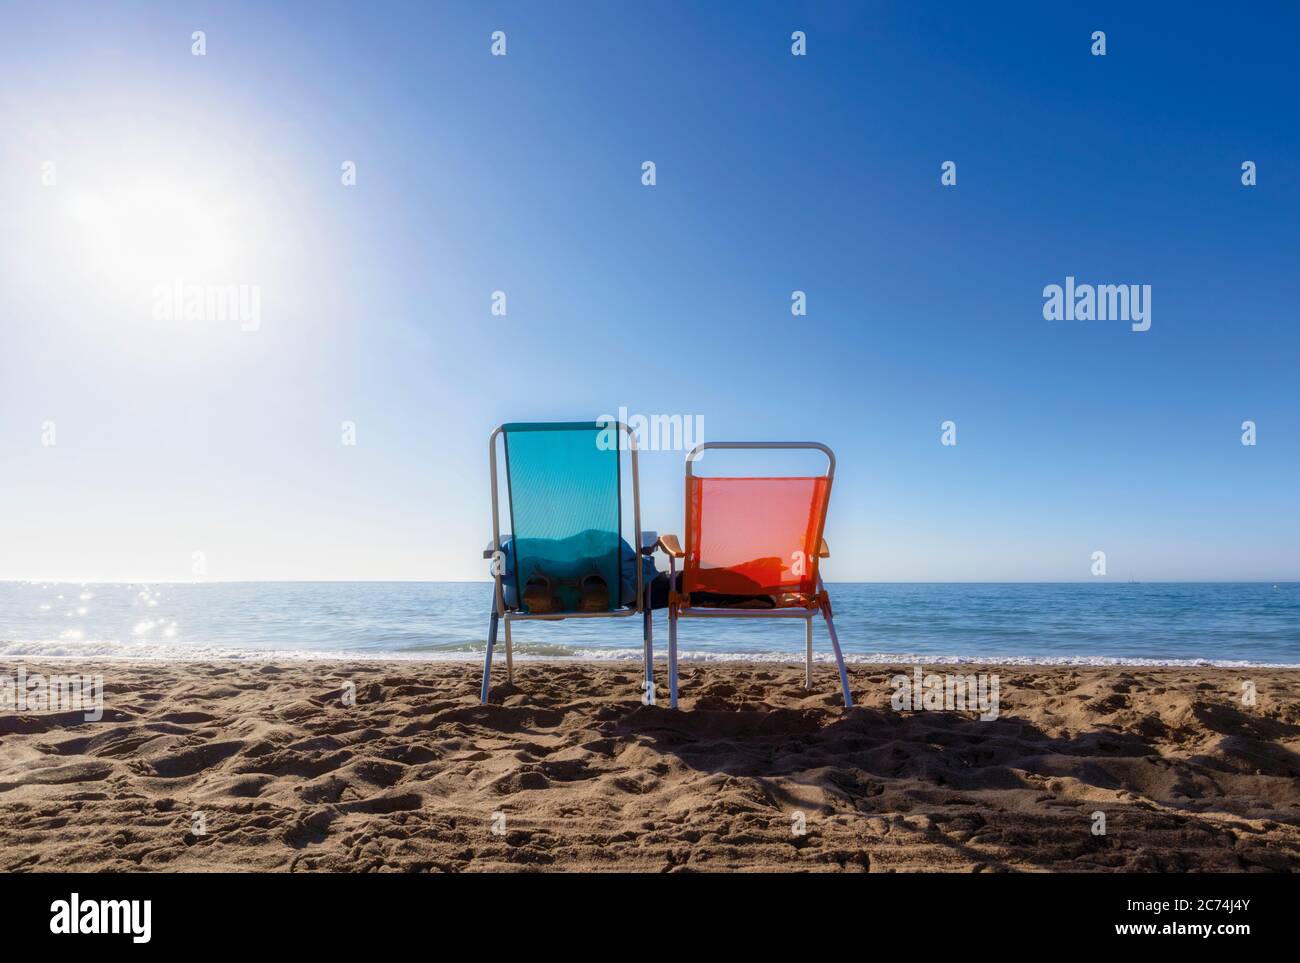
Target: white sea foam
{"points": [[473, 653]]}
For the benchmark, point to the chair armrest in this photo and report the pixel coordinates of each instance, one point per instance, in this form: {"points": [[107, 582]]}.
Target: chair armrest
{"points": [[670, 546], [648, 542], [824, 551], [490, 550]]}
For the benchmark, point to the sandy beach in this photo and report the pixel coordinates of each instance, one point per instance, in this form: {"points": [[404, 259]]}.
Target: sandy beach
{"points": [[569, 771]]}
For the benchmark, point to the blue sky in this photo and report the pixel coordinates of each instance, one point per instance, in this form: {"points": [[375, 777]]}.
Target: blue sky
{"points": [[522, 174]]}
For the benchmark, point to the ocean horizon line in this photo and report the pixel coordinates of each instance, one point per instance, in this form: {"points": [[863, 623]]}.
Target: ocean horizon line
{"points": [[1101, 580]]}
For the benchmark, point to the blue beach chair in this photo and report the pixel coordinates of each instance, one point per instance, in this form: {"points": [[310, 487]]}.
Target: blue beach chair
{"points": [[565, 557]]}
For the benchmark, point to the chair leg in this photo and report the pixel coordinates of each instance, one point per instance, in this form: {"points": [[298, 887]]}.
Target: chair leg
{"points": [[510, 657], [672, 656], [649, 657], [487, 659], [807, 672], [839, 657]]}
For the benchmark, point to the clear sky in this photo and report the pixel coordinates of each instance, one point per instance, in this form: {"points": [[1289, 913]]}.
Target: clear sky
{"points": [[523, 174]]}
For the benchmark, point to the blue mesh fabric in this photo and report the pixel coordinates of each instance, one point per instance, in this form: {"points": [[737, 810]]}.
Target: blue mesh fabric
{"points": [[649, 571], [564, 508]]}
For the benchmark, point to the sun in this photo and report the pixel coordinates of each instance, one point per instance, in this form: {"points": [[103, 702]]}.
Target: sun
{"points": [[136, 236]]}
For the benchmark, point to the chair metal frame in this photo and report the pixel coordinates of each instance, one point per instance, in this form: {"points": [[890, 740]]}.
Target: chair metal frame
{"points": [[676, 610], [502, 614]]}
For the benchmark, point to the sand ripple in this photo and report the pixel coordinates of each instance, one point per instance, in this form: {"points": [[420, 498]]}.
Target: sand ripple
{"points": [[569, 771]]}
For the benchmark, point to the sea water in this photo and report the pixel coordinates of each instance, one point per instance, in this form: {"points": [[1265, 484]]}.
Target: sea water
{"points": [[1084, 623]]}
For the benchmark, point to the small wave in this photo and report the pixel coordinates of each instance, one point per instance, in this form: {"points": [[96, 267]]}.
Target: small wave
{"points": [[541, 650], [105, 649], [895, 658], [532, 651], [162, 652]]}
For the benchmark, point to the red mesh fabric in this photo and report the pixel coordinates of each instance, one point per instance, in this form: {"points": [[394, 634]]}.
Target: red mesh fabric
{"points": [[753, 536]]}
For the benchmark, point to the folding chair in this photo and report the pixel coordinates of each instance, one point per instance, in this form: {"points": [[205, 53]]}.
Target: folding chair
{"points": [[564, 557], [752, 551]]}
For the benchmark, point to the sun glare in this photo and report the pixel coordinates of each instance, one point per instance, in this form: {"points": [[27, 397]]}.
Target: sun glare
{"points": [[137, 236]]}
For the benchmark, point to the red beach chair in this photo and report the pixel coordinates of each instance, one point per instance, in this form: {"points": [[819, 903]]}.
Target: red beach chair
{"points": [[753, 547]]}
